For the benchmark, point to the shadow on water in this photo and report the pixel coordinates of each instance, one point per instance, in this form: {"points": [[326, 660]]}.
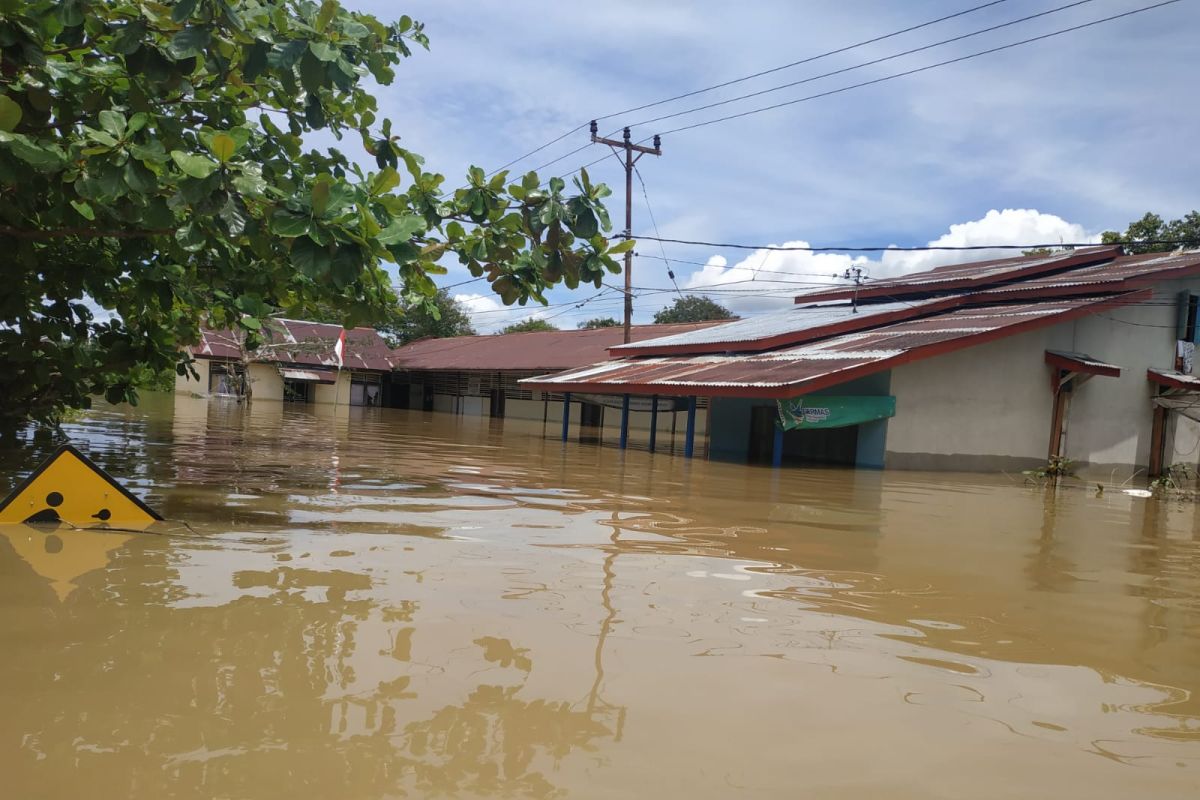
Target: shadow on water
{"points": [[390, 601]]}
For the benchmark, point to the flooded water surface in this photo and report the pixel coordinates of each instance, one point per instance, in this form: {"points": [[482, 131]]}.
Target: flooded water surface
{"points": [[403, 604]]}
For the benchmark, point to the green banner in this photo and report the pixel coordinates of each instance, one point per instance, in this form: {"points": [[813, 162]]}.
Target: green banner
{"points": [[819, 411]]}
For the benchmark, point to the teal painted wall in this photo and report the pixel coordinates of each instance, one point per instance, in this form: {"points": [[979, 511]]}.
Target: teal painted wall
{"points": [[729, 426]]}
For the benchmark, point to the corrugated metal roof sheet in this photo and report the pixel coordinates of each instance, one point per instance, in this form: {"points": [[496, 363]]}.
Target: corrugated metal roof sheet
{"points": [[1081, 362], [961, 277], [527, 352], [292, 341], [1174, 380], [777, 328], [1129, 272], [796, 370], [809, 323]]}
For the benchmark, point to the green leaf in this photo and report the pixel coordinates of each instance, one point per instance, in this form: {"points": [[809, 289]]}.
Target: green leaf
{"points": [[183, 10], [328, 9], [314, 114], [10, 113], [138, 178], [43, 158], [401, 229], [152, 152], [320, 194], [113, 122], [222, 146], [622, 247], [346, 266], [190, 237], [84, 210], [455, 231], [251, 323], [189, 42], [310, 258], [256, 60], [324, 51], [312, 72], [384, 182], [285, 223], [585, 225], [196, 166], [231, 214]]}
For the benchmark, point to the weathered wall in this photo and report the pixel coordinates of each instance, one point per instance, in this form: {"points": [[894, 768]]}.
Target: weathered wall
{"points": [[332, 393], [265, 382], [986, 407], [1110, 418], [989, 407]]}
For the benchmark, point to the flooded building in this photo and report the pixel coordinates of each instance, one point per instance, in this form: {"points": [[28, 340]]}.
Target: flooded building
{"points": [[481, 376], [1084, 355], [298, 362]]}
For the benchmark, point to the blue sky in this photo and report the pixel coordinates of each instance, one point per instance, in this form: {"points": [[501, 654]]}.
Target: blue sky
{"points": [[1060, 139]]}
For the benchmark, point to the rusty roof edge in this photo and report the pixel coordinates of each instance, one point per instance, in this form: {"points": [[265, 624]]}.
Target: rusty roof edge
{"points": [[851, 324], [849, 373], [905, 285]]}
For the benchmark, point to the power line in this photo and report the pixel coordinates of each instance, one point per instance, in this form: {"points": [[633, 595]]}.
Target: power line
{"points": [[871, 63], [654, 222], [742, 79], [878, 249], [925, 68]]}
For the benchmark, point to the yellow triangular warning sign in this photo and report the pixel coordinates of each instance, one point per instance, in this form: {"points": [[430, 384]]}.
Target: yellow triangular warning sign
{"points": [[69, 489]]}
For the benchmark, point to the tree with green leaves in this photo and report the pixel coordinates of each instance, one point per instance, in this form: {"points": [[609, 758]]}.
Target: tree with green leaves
{"points": [[599, 322], [1152, 228], [439, 318], [153, 165], [692, 308], [529, 326]]}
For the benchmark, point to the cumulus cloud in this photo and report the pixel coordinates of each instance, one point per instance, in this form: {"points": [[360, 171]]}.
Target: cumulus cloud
{"points": [[769, 279], [489, 315]]}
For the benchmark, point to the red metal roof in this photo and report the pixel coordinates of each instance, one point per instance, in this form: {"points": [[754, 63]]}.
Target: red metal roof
{"points": [[290, 341], [1170, 379], [1081, 362], [1123, 274], [797, 370], [527, 352], [963, 277]]}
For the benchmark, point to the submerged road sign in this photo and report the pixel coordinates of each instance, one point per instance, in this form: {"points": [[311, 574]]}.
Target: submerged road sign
{"points": [[69, 489]]}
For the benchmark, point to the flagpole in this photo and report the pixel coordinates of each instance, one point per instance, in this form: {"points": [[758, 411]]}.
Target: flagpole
{"points": [[339, 351]]}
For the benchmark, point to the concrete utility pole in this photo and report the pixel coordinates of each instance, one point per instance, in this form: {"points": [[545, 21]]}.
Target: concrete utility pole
{"points": [[630, 148]]}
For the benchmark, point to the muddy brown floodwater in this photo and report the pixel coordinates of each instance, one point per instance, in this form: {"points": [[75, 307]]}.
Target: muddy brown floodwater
{"points": [[403, 604]]}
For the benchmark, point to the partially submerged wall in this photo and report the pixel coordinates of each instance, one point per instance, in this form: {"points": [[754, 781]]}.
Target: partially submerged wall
{"points": [[989, 407]]}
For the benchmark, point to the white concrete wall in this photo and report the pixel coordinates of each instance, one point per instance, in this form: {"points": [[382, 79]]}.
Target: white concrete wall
{"points": [[1110, 418], [986, 407], [265, 382], [185, 384], [989, 407], [329, 393]]}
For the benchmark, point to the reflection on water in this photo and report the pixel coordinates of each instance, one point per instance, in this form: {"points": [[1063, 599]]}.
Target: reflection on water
{"points": [[407, 604]]}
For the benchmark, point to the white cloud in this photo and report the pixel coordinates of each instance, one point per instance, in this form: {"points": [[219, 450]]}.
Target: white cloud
{"points": [[489, 315], [769, 279], [1012, 226]]}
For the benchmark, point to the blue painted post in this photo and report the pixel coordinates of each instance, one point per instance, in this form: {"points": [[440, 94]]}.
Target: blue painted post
{"points": [[566, 414], [653, 420], [624, 422], [691, 428], [777, 451]]}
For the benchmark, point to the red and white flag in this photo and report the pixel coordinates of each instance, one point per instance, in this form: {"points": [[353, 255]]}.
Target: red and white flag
{"points": [[339, 349]]}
